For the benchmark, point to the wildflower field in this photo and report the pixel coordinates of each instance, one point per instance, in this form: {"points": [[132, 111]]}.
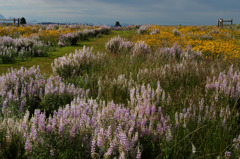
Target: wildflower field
{"points": [[212, 41], [147, 92], [21, 43]]}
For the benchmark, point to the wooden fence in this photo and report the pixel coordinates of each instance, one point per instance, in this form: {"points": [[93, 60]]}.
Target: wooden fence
{"points": [[15, 21], [221, 21]]}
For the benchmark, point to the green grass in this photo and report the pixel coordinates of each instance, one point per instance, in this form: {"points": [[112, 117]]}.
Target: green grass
{"points": [[44, 63], [183, 79]]}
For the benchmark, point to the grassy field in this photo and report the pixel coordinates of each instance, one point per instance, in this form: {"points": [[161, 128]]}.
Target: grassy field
{"points": [[44, 63], [130, 100]]}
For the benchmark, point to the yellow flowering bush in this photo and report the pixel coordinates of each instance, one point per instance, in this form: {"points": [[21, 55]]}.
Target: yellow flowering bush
{"points": [[210, 40], [45, 33]]}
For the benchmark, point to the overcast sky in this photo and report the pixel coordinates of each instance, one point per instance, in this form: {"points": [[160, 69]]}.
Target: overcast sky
{"points": [[162, 12]]}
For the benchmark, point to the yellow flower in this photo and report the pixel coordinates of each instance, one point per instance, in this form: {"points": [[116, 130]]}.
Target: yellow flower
{"points": [[210, 40]]}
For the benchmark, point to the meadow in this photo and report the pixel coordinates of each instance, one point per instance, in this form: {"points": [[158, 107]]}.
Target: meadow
{"points": [[148, 91]]}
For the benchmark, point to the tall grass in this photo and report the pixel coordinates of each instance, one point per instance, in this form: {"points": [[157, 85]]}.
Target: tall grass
{"points": [[163, 103], [184, 76]]}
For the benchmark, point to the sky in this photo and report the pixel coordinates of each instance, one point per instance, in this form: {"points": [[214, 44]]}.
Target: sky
{"points": [[158, 12]]}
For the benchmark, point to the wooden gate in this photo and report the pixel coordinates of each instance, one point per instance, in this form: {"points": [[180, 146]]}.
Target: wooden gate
{"points": [[15, 21], [221, 21]]}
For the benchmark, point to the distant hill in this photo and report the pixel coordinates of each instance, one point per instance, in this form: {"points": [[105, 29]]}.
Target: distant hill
{"points": [[47, 23], [2, 17], [33, 21]]}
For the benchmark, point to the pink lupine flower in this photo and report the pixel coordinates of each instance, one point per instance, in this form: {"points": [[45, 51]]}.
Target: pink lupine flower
{"points": [[33, 134], [61, 127], [41, 123], [123, 141], [61, 44], [93, 145], [111, 148], [28, 145], [52, 152], [4, 106], [73, 131]]}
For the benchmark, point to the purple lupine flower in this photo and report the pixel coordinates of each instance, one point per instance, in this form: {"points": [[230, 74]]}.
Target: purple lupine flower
{"points": [[24, 125], [123, 141], [141, 48], [28, 145], [62, 88], [160, 110], [135, 138], [216, 98], [144, 131], [33, 134], [227, 154], [25, 134], [235, 77], [153, 109], [61, 126], [222, 112], [150, 127], [4, 106], [163, 97], [85, 138], [216, 85], [147, 110], [49, 128], [131, 129], [73, 131], [169, 135], [236, 142], [111, 148], [34, 120], [224, 83], [41, 123], [51, 152], [109, 131], [37, 113], [143, 123], [93, 145], [176, 120], [100, 137], [54, 123], [122, 155], [9, 95], [82, 113]]}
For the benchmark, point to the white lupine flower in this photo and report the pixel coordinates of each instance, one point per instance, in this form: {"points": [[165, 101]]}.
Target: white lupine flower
{"points": [[193, 149]]}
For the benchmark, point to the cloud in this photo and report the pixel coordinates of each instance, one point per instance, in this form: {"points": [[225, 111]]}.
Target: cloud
{"points": [[126, 11]]}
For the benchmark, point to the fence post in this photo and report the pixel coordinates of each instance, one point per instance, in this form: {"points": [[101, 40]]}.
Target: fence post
{"points": [[18, 22]]}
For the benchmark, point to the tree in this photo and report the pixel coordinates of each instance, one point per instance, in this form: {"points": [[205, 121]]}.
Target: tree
{"points": [[117, 24], [23, 21]]}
